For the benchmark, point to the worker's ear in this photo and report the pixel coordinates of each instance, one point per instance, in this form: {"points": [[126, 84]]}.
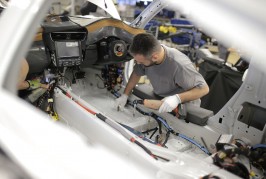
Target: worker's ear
{"points": [[155, 57]]}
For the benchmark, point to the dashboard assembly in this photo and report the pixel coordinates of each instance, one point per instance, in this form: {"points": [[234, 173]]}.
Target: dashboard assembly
{"points": [[65, 45], [84, 42]]}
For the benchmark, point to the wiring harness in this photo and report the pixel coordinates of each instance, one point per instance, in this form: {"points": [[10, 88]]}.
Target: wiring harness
{"points": [[161, 122], [230, 159]]}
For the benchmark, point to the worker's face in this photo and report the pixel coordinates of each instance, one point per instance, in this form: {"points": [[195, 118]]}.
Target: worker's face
{"points": [[140, 59]]}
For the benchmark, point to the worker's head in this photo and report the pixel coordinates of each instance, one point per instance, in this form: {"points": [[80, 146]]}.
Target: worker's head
{"points": [[146, 49]]}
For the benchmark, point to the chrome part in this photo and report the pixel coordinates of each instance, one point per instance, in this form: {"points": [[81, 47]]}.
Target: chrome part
{"points": [[148, 13]]}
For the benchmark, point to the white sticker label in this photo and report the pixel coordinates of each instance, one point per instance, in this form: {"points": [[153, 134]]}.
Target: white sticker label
{"points": [[71, 44]]}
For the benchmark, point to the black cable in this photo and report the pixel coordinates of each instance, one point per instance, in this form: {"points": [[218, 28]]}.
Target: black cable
{"points": [[97, 75], [74, 77], [100, 77], [166, 138], [147, 131], [154, 132], [221, 159], [66, 79], [160, 121], [210, 176], [241, 143], [162, 158], [145, 149], [51, 95], [137, 133]]}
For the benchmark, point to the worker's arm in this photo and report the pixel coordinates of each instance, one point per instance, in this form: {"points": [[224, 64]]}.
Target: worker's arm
{"points": [[133, 80], [32, 84], [190, 95], [24, 69], [194, 93], [171, 102], [29, 84], [23, 85]]}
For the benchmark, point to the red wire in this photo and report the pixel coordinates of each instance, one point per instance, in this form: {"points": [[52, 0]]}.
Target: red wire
{"points": [[87, 109]]}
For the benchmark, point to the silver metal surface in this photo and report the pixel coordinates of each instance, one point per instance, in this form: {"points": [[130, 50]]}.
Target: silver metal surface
{"points": [[148, 13]]}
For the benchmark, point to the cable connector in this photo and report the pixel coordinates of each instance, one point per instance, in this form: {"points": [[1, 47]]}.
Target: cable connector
{"points": [[138, 101], [135, 102]]}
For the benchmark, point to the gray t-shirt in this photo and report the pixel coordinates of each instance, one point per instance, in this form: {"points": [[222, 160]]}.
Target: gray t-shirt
{"points": [[174, 75]]}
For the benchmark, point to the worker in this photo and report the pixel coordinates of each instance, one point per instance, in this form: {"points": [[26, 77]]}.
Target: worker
{"points": [[28, 84], [170, 72]]}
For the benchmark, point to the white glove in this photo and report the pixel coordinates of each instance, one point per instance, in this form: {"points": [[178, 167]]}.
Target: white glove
{"points": [[121, 102], [170, 103]]}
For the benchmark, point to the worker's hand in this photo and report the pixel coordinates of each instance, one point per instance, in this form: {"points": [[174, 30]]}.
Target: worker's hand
{"points": [[121, 102], [34, 84], [170, 103], [45, 86]]}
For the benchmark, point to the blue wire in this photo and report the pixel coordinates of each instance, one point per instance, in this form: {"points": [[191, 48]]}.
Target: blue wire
{"points": [[170, 129], [139, 134], [258, 146], [116, 94], [164, 123], [195, 143]]}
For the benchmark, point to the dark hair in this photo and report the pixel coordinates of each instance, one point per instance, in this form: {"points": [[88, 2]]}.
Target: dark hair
{"points": [[144, 44]]}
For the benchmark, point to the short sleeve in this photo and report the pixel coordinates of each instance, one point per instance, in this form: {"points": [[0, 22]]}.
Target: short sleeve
{"points": [[188, 77]]}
